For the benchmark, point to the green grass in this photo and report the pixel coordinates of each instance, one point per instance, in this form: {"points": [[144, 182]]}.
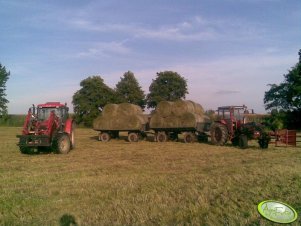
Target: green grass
{"points": [[145, 183]]}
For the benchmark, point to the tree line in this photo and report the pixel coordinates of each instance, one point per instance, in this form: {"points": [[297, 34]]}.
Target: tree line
{"points": [[282, 100], [94, 94]]}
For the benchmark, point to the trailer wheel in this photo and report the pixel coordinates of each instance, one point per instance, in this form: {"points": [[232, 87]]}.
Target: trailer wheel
{"points": [[243, 141], [63, 144], [133, 137], [219, 134], [189, 137], [104, 137], [161, 137]]}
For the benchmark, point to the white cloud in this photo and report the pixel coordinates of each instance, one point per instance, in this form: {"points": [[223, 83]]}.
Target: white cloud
{"points": [[103, 49]]}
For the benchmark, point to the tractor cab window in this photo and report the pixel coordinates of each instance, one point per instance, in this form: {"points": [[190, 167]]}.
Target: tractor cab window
{"points": [[224, 114], [238, 114], [44, 113]]}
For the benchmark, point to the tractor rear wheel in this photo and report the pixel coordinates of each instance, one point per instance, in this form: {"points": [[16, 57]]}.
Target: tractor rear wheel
{"points": [[63, 144], [189, 137], [243, 141], [219, 134], [161, 137]]}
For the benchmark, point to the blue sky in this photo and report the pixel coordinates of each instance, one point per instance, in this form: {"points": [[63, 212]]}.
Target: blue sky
{"points": [[228, 50]]}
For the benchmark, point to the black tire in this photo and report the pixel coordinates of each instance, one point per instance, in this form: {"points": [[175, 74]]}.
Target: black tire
{"points": [[243, 141], [235, 141], [133, 137], [63, 144], [189, 137], [161, 137], [26, 150], [104, 137], [219, 134]]}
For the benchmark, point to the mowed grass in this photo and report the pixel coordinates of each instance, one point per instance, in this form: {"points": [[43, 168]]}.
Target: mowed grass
{"points": [[144, 183]]}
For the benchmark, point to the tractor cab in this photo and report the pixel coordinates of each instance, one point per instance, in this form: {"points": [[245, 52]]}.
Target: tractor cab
{"points": [[44, 111], [232, 116]]}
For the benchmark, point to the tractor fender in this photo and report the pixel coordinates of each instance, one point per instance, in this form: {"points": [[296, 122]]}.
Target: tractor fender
{"points": [[68, 126]]}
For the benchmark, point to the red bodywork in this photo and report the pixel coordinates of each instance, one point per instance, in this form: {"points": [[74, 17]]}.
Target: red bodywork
{"points": [[44, 122], [233, 117]]}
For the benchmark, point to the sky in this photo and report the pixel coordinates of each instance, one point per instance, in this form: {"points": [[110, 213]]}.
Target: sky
{"points": [[228, 50]]}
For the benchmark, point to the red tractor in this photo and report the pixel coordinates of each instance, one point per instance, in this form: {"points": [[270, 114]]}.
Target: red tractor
{"points": [[47, 126], [231, 124]]}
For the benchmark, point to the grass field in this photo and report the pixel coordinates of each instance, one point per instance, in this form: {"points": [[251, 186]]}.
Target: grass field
{"points": [[145, 183]]}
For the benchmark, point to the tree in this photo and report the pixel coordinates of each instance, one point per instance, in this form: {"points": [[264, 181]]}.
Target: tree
{"points": [[129, 90], [168, 86], [4, 76], [286, 95], [91, 98]]}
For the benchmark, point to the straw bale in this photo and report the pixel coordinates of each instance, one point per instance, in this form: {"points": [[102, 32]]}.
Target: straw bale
{"points": [[180, 107], [156, 121], [190, 119], [110, 110], [129, 109], [164, 108], [172, 121], [198, 109]]}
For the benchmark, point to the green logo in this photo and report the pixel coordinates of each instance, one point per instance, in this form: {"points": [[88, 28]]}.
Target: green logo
{"points": [[277, 211]]}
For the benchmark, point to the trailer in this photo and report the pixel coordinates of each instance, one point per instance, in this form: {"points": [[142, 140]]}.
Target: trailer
{"points": [[190, 134]]}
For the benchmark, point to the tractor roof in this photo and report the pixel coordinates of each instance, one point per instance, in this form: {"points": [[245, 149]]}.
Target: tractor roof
{"points": [[51, 105], [232, 107]]}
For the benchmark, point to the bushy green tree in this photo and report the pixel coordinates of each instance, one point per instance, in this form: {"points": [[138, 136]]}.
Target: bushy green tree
{"points": [[168, 86], [286, 95], [89, 101], [130, 91], [4, 76]]}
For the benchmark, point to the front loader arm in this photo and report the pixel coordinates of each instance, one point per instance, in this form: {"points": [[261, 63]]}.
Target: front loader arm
{"points": [[26, 123]]}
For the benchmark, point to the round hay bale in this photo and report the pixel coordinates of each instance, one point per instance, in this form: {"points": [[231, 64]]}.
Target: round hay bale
{"points": [[198, 109], [110, 110], [156, 121], [181, 107], [164, 108], [129, 109], [172, 122], [190, 119], [102, 123]]}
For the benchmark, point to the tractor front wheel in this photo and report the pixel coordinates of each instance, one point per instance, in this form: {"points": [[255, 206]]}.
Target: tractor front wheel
{"points": [[219, 134], [243, 141], [63, 144], [26, 150]]}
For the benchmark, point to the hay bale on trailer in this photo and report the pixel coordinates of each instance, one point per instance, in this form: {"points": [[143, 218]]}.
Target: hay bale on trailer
{"points": [[120, 117], [172, 118]]}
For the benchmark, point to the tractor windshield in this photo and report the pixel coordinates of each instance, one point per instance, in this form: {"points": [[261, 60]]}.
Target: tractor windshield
{"points": [[44, 113]]}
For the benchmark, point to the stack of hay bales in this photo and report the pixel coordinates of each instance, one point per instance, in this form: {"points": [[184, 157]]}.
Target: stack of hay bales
{"points": [[123, 116], [178, 114]]}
